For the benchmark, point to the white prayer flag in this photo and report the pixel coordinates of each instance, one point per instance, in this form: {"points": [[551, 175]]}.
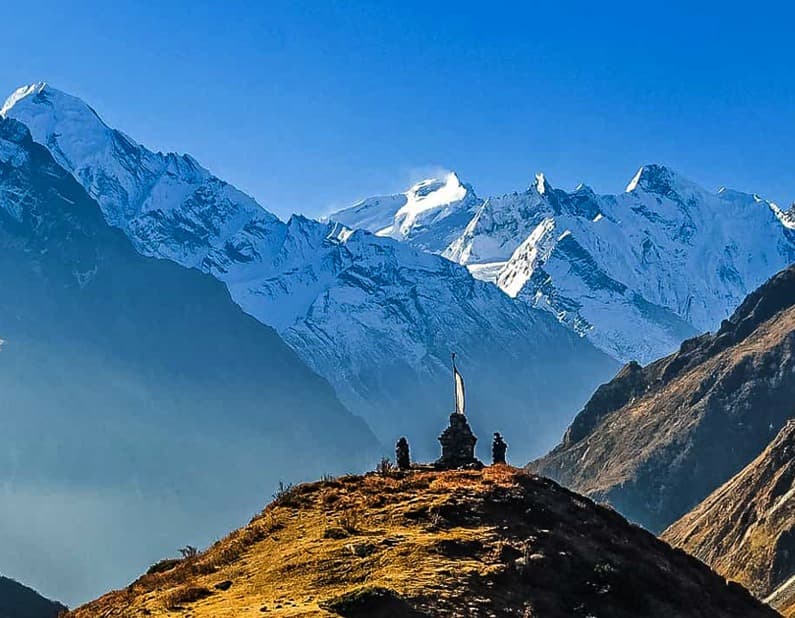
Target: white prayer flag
{"points": [[459, 391]]}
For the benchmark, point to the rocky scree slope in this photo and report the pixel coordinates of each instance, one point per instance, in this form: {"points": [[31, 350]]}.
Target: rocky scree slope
{"points": [[373, 316], [656, 440], [636, 273], [745, 529], [495, 542]]}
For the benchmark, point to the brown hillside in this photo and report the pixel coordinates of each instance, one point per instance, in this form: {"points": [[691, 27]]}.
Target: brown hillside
{"points": [[496, 542], [745, 530], [656, 440]]}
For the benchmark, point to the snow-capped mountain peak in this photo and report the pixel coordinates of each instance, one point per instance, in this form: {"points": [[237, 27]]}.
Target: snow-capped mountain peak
{"points": [[655, 178], [20, 93], [46, 111], [426, 198], [635, 272], [151, 195], [426, 214], [445, 189], [376, 317], [541, 184]]}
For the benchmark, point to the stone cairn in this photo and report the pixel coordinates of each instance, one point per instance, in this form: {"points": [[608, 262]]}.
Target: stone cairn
{"points": [[402, 454], [498, 448], [458, 445]]}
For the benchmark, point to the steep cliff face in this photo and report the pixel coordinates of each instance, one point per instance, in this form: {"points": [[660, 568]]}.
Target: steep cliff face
{"points": [[134, 391], [745, 529], [488, 543], [656, 440]]}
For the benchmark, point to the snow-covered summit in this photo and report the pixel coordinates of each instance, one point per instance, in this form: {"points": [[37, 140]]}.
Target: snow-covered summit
{"points": [[426, 214], [542, 186], [653, 178], [664, 182], [634, 272], [21, 93], [150, 195], [429, 195]]}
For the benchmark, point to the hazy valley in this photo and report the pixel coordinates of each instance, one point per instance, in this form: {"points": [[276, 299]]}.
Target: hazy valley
{"points": [[173, 353]]}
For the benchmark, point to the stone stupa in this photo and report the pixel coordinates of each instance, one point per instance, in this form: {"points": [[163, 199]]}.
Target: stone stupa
{"points": [[458, 441]]}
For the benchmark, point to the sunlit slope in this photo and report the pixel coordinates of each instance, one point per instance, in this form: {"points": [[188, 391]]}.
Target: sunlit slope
{"points": [[495, 542]]}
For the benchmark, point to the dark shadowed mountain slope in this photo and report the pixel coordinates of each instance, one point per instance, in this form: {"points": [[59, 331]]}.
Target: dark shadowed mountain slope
{"points": [[656, 440], [745, 529], [18, 601], [489, 543], [375, 317], [133, 391]]}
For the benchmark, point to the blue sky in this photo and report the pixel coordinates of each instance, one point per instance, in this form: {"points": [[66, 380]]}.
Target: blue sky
{"points": [[311, 105]]}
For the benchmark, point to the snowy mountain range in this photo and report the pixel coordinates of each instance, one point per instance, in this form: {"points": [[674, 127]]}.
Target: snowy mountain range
{"points": [[376, 317], [635, 273], [538, 292]]}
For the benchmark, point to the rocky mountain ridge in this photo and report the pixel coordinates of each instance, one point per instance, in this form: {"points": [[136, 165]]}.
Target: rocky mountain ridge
{"points": [[18, 601], [745, 529], [656, 440], [375, 317], [636, 273]]}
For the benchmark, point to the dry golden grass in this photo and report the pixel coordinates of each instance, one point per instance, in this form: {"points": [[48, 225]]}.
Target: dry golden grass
{"points": [[496, 542], [286, 561]]}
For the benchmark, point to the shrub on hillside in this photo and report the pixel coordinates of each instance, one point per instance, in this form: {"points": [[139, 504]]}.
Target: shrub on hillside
{"points": [[188, 552], [350, 519], [385, 467], [161, 566]]}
